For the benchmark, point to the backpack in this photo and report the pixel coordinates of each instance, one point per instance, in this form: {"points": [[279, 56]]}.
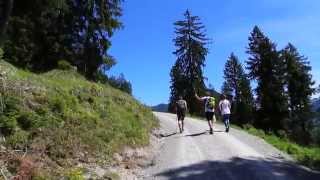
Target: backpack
{"points": [[181, 106], [210, 103]]}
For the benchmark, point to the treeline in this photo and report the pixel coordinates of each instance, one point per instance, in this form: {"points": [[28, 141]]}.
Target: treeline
{"points": [[284, 87], [280, 103], [37, 35]]}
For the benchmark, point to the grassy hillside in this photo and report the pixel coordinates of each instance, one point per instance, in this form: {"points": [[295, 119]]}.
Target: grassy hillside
{"points": [[54, 120], [305, 155]]}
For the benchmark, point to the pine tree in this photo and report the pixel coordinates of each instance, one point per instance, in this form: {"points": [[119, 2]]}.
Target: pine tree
{"points": [[267, 69], [237, 83], [93, 25], [299, 90], [5, 11], [187, 73], [45, 31]]}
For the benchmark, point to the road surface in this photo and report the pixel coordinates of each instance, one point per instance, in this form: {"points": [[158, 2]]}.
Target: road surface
{"points": [[197, 155]]}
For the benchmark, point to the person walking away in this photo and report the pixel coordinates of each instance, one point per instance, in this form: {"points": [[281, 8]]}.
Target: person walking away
{"points": [[225, 109], [181, 106], [209, 104]]}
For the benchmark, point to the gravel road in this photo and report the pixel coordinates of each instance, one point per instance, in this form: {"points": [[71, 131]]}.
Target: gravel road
{"points": [[197, 155]]}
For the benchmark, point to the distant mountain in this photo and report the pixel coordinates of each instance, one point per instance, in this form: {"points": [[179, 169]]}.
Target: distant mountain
{"points": [[160, 108]]}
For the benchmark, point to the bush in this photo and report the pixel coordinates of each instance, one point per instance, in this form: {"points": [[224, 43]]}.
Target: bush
{"points": [[282, 134], [7, 124], [1, 54], [28, 120], [64, 65], [18, 140], [315, 134], [75, 174]]}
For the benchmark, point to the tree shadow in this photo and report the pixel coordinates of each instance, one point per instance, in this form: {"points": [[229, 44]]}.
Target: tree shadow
{"points": [[167, 135], [196, 134], [242, 169], [218, 131]]}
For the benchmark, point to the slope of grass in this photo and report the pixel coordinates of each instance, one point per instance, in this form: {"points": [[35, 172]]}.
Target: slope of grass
{"points": [[60, 118], [308, 156]]}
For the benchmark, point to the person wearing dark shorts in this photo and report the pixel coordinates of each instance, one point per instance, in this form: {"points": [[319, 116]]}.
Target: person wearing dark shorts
{"points": [[181, 106], [209, 111], [209, 116]]}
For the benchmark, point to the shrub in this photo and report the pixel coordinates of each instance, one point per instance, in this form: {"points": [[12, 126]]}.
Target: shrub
{"points": [[64, 65], [75, 174], [293, 149], [315, 134], [247, 126], [1, 54], [18, 140], [282, 134], [28, 120], [8, 124]]}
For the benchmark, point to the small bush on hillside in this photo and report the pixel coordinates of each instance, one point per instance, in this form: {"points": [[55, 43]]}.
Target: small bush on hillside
{"points": [[18, 140], [64, 65], [28, 120], [120, 83], [315, 134], [282, 134], [1, 54], [75, 174], [8, 124]]}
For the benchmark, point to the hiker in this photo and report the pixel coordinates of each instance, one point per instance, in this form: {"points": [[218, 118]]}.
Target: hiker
{"points": [[225, 110], [181, 107], [209, 104]]}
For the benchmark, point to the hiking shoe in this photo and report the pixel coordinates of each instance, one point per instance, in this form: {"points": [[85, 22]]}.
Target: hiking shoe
{"points": [[211, 131], [227, 130]]}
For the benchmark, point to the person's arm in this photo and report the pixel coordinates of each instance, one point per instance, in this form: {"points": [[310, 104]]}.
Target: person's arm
{"points": [[197, 97], [220, 108], [186, 105]]}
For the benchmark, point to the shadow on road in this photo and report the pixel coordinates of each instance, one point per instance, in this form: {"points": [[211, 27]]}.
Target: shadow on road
{"points": [[168, 135], [242, 169], [196, 134]]}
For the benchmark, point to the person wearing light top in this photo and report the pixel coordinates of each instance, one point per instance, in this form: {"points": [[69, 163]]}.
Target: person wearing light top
{"points": [[209, 105], [225, 110]]}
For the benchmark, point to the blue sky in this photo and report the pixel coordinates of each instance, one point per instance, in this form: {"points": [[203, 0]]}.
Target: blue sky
{"points": [[143, 48]]}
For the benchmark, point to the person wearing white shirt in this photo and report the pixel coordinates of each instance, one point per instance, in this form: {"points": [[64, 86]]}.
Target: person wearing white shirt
{"points": [[225, 109]]}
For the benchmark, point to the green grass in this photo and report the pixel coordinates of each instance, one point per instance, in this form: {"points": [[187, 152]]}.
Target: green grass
{"points": [[64, 115], [308, 156]]}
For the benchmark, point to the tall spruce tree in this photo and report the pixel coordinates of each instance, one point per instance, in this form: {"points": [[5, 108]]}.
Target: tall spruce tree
{"points": [[299, 90], [45, 31], [237, 83], [187, 73], [93, 25], [267, 69], [5, 10]]}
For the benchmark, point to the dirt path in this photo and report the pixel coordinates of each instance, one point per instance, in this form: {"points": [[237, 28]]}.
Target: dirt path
{"points": [[196, 154]]}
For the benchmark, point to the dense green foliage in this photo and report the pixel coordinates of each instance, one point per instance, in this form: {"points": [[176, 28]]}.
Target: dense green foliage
{"points": [[299, 91], [266, 68], [44, 31], [284, 88], [5, 10], [237, 84], [66, 117], [120, 83], [187, 73]]}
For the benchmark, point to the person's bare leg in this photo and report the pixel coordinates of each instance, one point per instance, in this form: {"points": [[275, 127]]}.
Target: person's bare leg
{"points": [[180, 126], [210, 123], [182, 123]]}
